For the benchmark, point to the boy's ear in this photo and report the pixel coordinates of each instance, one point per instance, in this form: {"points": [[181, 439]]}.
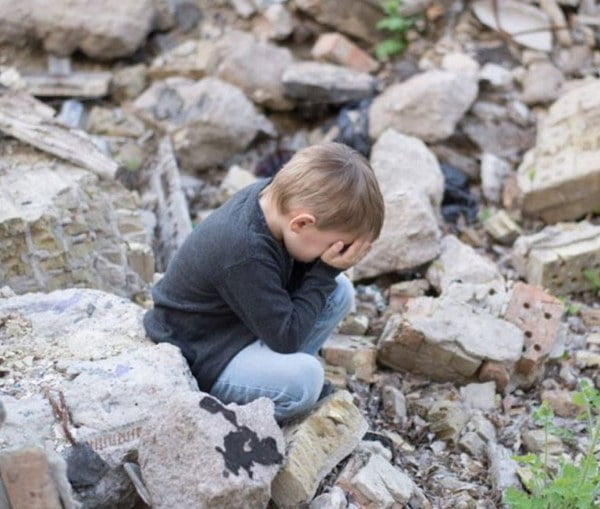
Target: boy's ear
{"points": [[301, 221]]}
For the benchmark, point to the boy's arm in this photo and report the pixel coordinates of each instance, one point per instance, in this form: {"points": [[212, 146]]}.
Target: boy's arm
{"points": [[254, 292]]}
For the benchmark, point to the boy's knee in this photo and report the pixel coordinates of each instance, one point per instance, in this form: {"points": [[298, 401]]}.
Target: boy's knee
{"points": [[306, 382], [345, 294]]}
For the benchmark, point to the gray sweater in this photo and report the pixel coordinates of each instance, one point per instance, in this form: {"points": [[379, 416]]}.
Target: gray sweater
{"points": [[232, 282]]}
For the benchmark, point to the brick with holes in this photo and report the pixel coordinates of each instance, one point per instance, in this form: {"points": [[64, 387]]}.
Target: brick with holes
{"points": [[537, 313]]}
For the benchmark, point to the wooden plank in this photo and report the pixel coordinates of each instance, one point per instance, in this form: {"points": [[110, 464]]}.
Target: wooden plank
{"points": [[79, 84], [174, 223], [27, 481], [29, 120]]}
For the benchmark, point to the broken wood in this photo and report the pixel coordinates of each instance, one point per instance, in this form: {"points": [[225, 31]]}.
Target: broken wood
{"points": [[27, 480], [32, 122], [174, 223], [90, 85]]}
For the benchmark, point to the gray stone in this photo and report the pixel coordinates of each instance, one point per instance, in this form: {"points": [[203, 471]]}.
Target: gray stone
{"points": [[382, 483], [503, 469], [473, 444], [479, 396], [335, 498], [542, 83], [196, 452], [502, 227], [493, 172], [275, 23], [128, 82], [208, 120], [427, 106], [447, 419], [317, 82], [236, 179], [354, 324], [394, 403], [497, 76]]}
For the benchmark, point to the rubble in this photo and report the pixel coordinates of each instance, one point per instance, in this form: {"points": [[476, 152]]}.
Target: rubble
{"points": [[336, 48], [357, 354], [502, 228]]}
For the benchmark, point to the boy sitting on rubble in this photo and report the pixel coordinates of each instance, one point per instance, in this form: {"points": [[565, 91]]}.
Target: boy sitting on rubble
{"points": [[256, 289]]}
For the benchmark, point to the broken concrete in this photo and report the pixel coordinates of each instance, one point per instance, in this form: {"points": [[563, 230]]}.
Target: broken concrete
{"points": [[357, 354], [337, 49]]}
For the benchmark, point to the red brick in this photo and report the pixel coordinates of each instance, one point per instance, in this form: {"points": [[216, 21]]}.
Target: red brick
{"points": [[537, 314], [338, 49]]}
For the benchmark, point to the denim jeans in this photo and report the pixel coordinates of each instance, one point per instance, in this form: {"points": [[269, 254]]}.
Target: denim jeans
{"points": [[294, 380]]}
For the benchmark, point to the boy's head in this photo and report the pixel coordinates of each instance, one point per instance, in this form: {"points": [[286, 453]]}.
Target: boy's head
{"points": [[324, 194]]}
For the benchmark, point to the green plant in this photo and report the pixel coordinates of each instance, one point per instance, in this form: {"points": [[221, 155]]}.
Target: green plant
{"points": [[593, 276], [569, 485], [484, 214], [397, 25], [571, 308]]}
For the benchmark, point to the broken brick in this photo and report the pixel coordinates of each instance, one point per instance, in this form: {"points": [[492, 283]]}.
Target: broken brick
{"points": [[338, 49]]}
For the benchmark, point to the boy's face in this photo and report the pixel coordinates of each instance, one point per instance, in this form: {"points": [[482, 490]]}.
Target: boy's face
{"points": [[306, 243]]}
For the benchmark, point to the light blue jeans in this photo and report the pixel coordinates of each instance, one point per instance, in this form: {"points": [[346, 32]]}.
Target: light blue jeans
{"points": [[294, 380]]}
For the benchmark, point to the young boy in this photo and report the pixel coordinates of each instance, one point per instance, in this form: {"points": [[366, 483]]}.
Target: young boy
{"points": [[256, 289]]}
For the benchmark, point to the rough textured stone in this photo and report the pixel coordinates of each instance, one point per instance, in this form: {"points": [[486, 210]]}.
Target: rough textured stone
{"points": [[502, 228], [317, 82], [333, 499], [196, 452], [192, 59], [104, 29], [493, 172], [479, 396], [560, 177], [129, 82], [542, 83], [427, 106], [409, 238], [353, 17], [62, 226], [236, 179], [503, 469], [208, 120], [557, 256], [338, 49], [447, 419], [447, 340], [276, 22], [315, 446], [538, 314], [355, 353]]}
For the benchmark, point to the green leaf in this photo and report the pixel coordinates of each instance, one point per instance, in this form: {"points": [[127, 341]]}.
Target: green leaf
{"points": [[388, 48]]}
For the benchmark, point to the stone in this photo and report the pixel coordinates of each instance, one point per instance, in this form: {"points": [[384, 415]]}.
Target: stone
{"points": [[102, 30], [447, 419], [357, 18], [542, 83], [587, 359], [192, 59], [427, 106], [338, 49], [409, 238], [590, 316], [315, 446], [479, 396], [538, 314], [335, 498], [114, 122], [354, 325], [558, 19], [245, 8], [403, 162], [197, 452], [473, 444], [535, 442], [401, 292], [460, 263], [394, 403], [575, 60], [62, 226], [275, 23], [558, 178], [317, 82], [503, 469], [526, 24], [561, 403], [357, 354], [497, 76], [129, 82], [447, 340], [382, 483], [558, 256], [502, 228], [483, 427], [208, 120], [236, 179], [493, 172]]}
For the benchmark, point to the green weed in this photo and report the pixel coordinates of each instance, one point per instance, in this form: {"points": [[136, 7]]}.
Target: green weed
{"points": [[397, 26]]}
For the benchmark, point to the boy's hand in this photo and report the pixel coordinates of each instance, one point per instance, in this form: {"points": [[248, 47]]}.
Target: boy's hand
{"points": [[342, 259]]}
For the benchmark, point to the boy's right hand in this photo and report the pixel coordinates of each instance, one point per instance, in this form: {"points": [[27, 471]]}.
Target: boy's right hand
{"points": [[343, 259]]}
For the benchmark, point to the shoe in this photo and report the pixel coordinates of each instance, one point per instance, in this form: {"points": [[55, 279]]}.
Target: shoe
{"points": [[328, 388]]}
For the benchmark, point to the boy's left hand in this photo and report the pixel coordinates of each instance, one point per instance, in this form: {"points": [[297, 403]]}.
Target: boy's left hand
{"points": [[343, 259]]}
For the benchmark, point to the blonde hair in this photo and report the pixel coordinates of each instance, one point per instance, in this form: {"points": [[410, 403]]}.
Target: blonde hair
{"points": [[336, 184]]}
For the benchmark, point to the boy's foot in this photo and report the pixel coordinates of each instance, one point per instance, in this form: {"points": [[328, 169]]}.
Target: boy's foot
{"points": [[328, 388]]}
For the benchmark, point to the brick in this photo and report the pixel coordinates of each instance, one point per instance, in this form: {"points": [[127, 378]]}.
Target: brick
{"points": [[558, 256], [26, 477], [338, 49], [537, 314], [496, 372], [357, 354]]}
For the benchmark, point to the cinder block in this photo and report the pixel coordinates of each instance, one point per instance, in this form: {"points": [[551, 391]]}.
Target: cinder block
{"points": [[338, 49], [537, 314]]}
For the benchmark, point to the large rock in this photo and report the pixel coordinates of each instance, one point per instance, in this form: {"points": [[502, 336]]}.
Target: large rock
{"points": [[560, 177], [353, 17], [62, 226], [196, 452], [208, 120], [315, 446], [317, 82], [238, 58], [447, 340], [101, 29], [91, 347], [428, 105], [410, 236]]}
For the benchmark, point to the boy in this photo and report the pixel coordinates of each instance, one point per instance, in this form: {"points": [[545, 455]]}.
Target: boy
{"points": [[256, 289]]}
